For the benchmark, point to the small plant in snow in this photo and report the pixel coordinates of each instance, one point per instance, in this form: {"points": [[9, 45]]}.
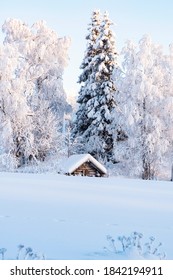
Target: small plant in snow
{"points": [[20, 247], [28, 254], [134, 243], [111, 243], [2, 252], [24, 253]]}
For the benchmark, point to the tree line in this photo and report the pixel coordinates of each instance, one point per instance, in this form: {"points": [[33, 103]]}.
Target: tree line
{"points": [[124, 112]]}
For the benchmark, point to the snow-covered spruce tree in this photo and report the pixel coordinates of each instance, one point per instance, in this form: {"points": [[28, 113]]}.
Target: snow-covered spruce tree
{"points": [[82, 121], [94, 124], [143, 89], [41, 59]]}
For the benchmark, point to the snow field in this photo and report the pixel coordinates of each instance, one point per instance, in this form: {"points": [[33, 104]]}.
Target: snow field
{"points": [[70, 217]]}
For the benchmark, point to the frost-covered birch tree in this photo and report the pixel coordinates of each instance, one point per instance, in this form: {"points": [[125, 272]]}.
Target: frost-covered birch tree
{"points": [[16, 138], [36, 77], [167, 108], [144, 109], [94, 122]]}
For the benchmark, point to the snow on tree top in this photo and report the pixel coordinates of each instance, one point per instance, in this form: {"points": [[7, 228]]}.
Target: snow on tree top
{"points": [[74, 161]]}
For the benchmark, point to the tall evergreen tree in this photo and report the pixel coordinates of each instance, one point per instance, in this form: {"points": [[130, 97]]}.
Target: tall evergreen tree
{"points": [[95, 124], [82, 121]]}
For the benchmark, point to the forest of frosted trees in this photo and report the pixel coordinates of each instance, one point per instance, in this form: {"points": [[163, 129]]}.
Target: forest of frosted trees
{"points": [[123, 115]]}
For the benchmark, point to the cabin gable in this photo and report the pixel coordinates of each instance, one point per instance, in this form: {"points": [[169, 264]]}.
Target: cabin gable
{"points": [[87, 169]]}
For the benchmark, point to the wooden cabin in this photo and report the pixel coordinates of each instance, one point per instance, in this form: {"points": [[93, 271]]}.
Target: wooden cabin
{"points": [[83, 165]]}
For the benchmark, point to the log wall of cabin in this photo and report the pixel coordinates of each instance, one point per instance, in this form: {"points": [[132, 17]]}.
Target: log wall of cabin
{"points": [[87, 169]]}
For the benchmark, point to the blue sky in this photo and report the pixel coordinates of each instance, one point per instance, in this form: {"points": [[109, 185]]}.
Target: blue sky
{"points": [[133, 18]]}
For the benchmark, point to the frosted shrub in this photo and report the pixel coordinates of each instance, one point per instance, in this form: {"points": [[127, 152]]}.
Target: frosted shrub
{"points": [[134, 246], [51, 164], [7, 162]]}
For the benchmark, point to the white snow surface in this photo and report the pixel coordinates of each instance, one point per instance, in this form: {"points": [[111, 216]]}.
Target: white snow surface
{"points": [[74, 161], [69, 217]]}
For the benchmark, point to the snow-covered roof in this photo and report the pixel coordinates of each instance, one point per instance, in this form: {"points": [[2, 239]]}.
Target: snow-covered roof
{"points": [[74, 161]]}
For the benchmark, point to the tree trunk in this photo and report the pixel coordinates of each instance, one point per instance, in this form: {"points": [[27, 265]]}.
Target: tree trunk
{"points": [[172, 173]]}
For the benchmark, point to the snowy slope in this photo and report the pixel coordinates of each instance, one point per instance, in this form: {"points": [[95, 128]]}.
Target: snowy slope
{"points": [[70, 217]]}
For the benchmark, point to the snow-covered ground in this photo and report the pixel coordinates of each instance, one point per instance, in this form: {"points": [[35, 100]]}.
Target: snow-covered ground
{"points": [[70, 217]]}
